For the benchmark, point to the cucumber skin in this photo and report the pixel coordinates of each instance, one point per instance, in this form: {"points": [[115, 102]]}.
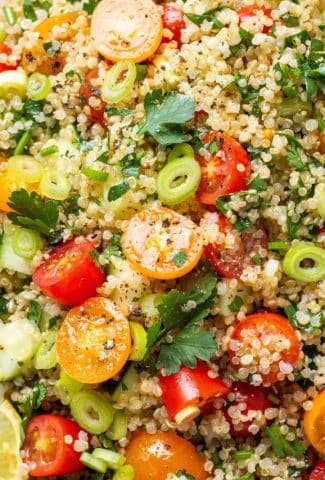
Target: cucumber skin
{"points": [[10, 260]]}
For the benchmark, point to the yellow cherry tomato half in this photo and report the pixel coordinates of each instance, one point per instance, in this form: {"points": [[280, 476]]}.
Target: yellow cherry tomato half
{"points": [[161, 243], [126, 29], [314, 423], [9, 185], [94, 341]]}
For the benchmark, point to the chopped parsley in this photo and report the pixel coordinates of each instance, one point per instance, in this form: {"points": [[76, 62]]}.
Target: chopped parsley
{"points": [[183, 475], [208, 16], [32, 403], [3, 305], [258, 184], [179, 258], [34, 312], [123, 112], [30, 5], [114, 247], [316, 320], [236, 303]]}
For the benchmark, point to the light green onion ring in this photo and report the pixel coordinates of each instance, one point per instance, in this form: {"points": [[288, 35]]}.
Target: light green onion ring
{"points": [[38, 86], [25, 168], [26, 243], [181, 150], [93, 463], [13, 82], [292, 263], [92, 412], [119, 426], [139, 341], [45, 357], [113, 460], [66, 387], [124, 473], [178, 180], [55, 185], [115, 89]]}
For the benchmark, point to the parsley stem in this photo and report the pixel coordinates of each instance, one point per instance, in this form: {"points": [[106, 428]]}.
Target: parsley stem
{"points": [[22, 142], [49, 150], [10, 15], [243, 454]]}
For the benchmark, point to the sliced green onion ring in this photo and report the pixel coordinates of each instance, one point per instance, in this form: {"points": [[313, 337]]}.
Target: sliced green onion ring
{"points": [[113, 460], [25, 168], [139, 340], [93, 463], [26, 243], [55, 185], [119, 426], [92, 412], [66, 387], [45, 357], [292, 263], [95, 175], [181, 150], [13, 82], [124, 473], [178, 180], [38, 86], [114, 89]]}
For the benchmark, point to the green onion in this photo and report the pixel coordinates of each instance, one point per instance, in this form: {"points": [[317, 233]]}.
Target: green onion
{"points": [[22, 142], [119, 426], [141, 72], [10, 15], [91, 411], [181, 150], [114, 89], [274, 399], [55, 185], [281, 447], [94, 175], [113, 460], [290, 106], [25, 168], [13, 82], [292, 263], [26, 243], [38, 86], [243, 454], [124, 473], [46, 151], [45, 357], [93, 463], [277, 245], [320, 198], [178, 180], [66, 387], [3, 35], [246, 476], [139, 341]]}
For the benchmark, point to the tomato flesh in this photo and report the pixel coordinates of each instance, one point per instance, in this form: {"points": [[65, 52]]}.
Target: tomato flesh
{"points": [[223, 172], [173, 20], [319, 472], [4, 48], [88, 90], [45, 448], [249, 12], [70, 275], [190, 386], [255, 399]]}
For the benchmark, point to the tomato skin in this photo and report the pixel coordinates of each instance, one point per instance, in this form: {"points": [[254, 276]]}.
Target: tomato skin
{"points": [[153, 456], [87, 90], [173, 20], [39, 432], [220, 175], [319, 472], [190, 386], [66, 282], [4, 48], [255, 399], [249, 11]]}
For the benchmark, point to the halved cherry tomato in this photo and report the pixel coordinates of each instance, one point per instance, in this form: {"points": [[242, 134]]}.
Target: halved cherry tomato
{"points": [[225, 171], [4, 48], [319, 472], [45, 448], [153, 456], [126, 30], [153, 238], [70, 274], [314, 423], [266, 342], [189, 387], [88, 90], [173, 20], [230, 261], [94, 341], [36, 58], [249, 12], [255, 399]]}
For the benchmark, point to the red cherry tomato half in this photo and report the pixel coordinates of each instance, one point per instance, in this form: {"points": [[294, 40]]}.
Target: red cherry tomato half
{"points": [[190, 387], [231, 261], [46, 450], [225, 171], [88, 90], [249, 12], [4, 48], [173, 20], [255, 399], [70, 275], [318, 473]]}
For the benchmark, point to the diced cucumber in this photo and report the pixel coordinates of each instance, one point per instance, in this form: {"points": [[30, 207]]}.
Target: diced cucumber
{"points": [[126, 384], [10, 260], [18, 341]]}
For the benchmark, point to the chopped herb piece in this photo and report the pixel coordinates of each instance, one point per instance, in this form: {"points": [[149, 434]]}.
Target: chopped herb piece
{"points": [[90, 6], [117, 191], [291, 40], [291, 21], [316, 321], [243, 454], [95, 257], [103, 157], [257, 259], [281, 447], [52, 48], [3, 306], [131, 165], [258, 184], [242, 224], [236, 303], [213, 147], [123, 112], [114, 247], [34, 312], [53, 321], [32, 403], [183, 475], [179, 258], [208, 16]]}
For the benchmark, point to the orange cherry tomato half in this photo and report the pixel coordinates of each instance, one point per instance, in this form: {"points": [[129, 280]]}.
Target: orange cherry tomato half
{"points": [[314, 423], [126, 30], [9, 185], [153, 456], [225, 171], [249, 12], [153, 239], [94, 341], [46, 452], [4, 48], [87, 90], [276, 352], [35, 58]]}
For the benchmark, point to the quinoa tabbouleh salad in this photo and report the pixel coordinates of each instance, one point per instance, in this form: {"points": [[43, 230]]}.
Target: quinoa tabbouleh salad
{"points": [[162, 253]]}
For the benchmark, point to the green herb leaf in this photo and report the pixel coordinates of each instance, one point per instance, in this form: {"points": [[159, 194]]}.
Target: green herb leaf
{"points": [[292, 40], [34, 312], [257, 259], [123, 112], [281, 447], [95, 258], [90, 6], [30, 5], [258, 184], [179, 258], [131, 165], [53, 321], [32, 403], [102, 158], [114, 247], [117, 191], [236, 303], [315, 323], [292, 228], [242, 224], [52, 48], [208, 16], [183, 475], [3, 306]]}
